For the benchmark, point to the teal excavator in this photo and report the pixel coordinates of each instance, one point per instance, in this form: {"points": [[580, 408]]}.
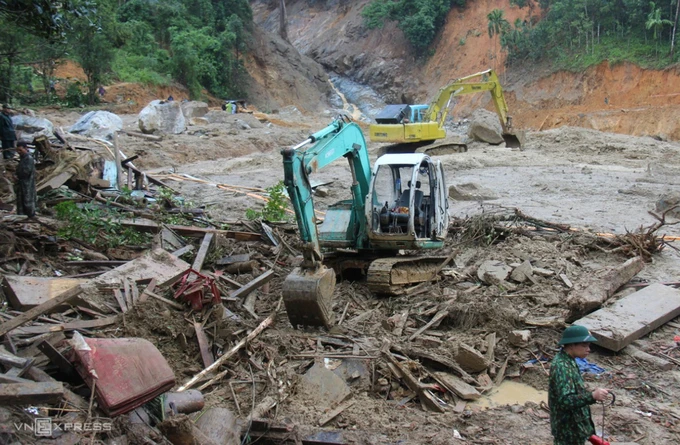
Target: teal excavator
{"points": [[398, 208]]}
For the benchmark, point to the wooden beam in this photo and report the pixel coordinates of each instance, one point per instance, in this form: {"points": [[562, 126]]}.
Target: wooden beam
{"points": [[202, 252], [30, 393], [81, 324], [37, 311], [412, 383], [203, 345], [257, 282]]}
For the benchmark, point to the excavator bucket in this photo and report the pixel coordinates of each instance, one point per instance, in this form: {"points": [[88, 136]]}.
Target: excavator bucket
{"points": [[514, 139], [308, 295]]}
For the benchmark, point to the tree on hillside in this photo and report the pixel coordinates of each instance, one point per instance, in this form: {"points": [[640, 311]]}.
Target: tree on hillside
{"points": [[497, 25], [12, 46], [675, 27], [656, 23], [45, 18]]}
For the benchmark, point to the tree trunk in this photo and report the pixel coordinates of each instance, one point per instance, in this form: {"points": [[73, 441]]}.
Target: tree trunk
{"points": [[675, 25], [283, 21]]}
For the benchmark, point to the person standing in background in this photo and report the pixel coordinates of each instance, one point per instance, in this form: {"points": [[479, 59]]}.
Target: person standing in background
{"points": [[7, 132]]}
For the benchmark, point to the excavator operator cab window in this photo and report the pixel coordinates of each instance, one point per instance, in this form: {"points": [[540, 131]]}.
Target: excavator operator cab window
{"points": [[391, 198]]}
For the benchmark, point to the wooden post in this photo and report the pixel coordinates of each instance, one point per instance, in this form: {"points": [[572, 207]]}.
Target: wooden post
{"points": [[119, 167]]}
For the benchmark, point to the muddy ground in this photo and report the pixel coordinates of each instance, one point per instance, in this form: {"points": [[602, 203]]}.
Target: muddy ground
{"points": [[591, 181]]}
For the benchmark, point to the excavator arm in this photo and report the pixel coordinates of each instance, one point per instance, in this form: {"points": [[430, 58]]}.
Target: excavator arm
{"points": [[307, 291], [439, 107]]}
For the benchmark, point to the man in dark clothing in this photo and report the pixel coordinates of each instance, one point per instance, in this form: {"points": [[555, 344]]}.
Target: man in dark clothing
{"points": [[7, 133], [569, 400], [25, 186]]}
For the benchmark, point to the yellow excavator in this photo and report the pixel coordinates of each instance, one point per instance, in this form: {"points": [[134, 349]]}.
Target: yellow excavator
{"points": [[414, 128]]}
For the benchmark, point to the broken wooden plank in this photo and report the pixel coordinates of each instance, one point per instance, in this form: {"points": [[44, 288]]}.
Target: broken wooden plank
{"points": [[37, 311], [633, 316], [72, 326], [456, 385], [118, 295], [127, 292], [135, 292], [164, 300], [186, 249], [30, 393], [70, 397], [592, 295], [332, 414], [490, 347], [437, 359], [158, 263], [55, 357], [203, 345], [149, 137], [24, 293], [10, 360], [428, 401], [95, 263], [202, 252], [400, 323], [436, 319], [151, 226], [227, 260], [5, 378], [251, 286]]}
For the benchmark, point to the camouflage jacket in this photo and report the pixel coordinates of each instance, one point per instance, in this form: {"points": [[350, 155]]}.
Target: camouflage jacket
{"points": [[569, 400]]}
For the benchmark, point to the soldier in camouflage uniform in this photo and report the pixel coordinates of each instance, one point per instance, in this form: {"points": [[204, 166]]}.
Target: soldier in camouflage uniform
{"points": [[568, 398]]}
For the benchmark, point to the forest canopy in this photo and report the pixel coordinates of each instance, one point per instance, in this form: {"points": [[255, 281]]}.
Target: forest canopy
{"points": [[198, 43]]}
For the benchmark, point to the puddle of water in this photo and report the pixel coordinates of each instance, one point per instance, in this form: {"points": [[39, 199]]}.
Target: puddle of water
{"points": [[511, 393]]}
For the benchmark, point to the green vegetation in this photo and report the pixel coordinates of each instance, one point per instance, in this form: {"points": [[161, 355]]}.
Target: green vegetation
{"points": [[420, 21], [275, 209], [198, 43], [96, 225], [570, 34], [575, 34]]}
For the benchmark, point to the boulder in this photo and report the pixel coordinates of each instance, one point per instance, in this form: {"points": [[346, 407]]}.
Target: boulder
{"points": [[194, 108], [519, 338], [162, 117], [485, 127], [668, 201], [471, 192], [98, 125], [29, 127], [218, 117], [491, 271], [198, 121], [470, 359]]}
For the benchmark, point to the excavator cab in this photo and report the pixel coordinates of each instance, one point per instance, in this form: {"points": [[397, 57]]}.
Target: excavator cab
{"points": [[407, 203]]}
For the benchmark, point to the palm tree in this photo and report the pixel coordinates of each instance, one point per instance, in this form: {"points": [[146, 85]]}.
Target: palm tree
{"points": [[656, 23], [497, 24]]}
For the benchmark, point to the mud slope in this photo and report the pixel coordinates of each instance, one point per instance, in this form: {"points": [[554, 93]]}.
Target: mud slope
{"points": [[638, 102]]}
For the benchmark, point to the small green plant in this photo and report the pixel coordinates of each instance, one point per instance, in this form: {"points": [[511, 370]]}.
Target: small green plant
{"points": [[461, 42], [96, 225], [275, 209]]}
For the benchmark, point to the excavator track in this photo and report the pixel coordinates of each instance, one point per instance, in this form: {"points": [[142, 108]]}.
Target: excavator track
{"points": [[392, 276]]}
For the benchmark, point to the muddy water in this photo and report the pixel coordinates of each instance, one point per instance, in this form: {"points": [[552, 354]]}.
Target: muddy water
{"points": [[511, 393]]}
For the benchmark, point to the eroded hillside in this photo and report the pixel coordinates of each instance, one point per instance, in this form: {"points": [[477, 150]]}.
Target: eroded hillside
{"points": [[622, 98]]}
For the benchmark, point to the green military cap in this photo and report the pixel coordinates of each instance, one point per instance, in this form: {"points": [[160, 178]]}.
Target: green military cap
{"points": [[576, 334]]}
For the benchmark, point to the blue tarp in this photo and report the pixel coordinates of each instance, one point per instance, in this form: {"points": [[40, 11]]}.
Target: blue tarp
{"points": [[586, 367]]}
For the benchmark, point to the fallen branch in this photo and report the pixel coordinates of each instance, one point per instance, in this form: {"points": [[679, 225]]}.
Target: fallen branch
{"points": [[266, 323]]}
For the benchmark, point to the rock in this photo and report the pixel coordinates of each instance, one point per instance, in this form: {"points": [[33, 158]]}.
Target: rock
{"points": [[218, 117], [471, 192], [324, 387], [497, 270], [198, 121], [322, 191], [242, 125], [470, 359], [522, 272], [98, 125], [219, 425], [485, 127], [29, 127], [162, 117], [668, 201], [519, 338], [194, 108]]}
